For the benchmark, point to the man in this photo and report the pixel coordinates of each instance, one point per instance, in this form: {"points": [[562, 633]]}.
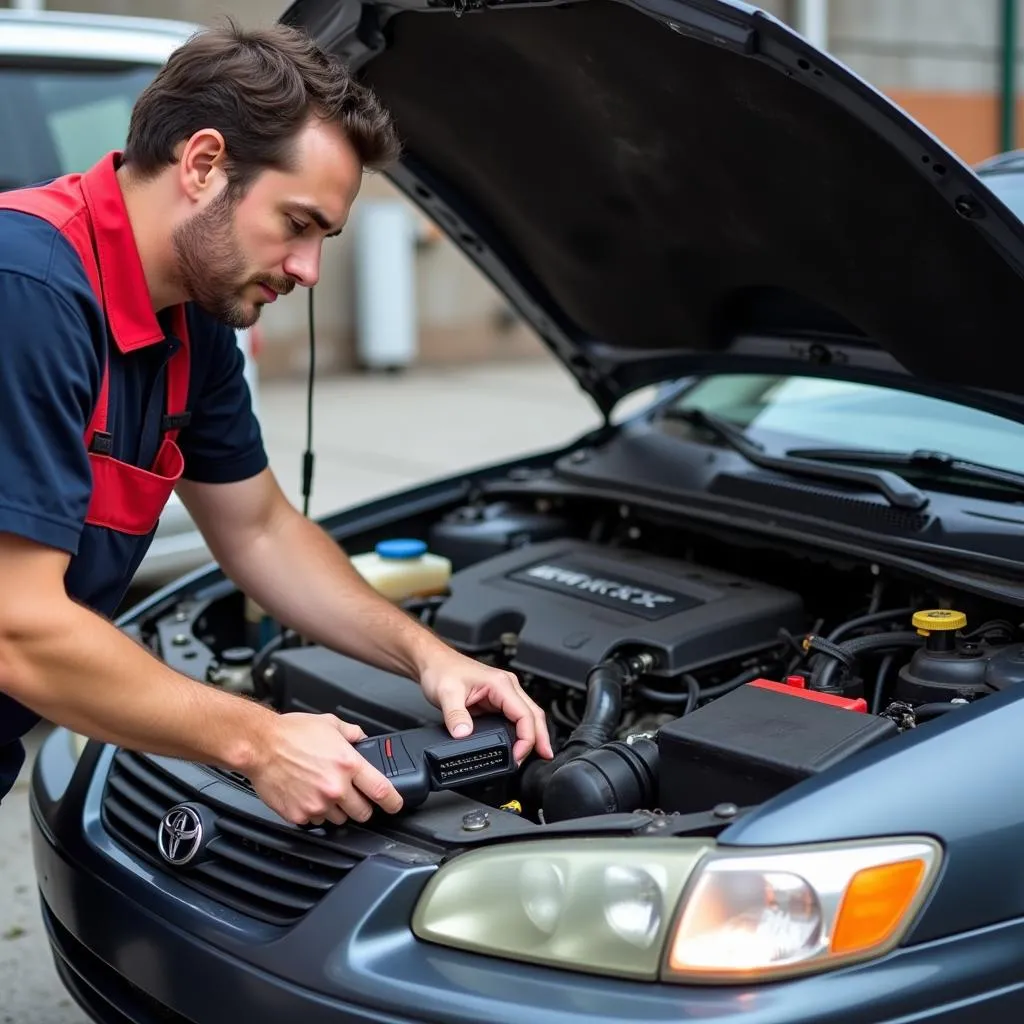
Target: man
{"points": [[120, 379]]}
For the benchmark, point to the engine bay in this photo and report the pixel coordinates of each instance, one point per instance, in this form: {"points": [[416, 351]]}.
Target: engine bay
{"points": [[682, 673]]}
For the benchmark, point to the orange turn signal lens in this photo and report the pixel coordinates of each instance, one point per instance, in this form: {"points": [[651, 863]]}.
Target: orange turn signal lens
{"points": [[874, 904]]}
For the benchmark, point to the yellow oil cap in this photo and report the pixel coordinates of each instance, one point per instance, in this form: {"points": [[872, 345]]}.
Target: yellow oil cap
{"points": [[514, 806], [938, 620]]}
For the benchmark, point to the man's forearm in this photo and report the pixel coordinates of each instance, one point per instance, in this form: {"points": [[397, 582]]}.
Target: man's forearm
{"points": [[80, 671], [298, 574]]}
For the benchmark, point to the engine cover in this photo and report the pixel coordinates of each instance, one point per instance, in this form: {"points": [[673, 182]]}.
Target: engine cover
{"points": [[573, 603]]}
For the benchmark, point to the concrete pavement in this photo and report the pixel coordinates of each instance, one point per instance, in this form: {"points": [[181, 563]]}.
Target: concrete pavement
{"points": [[372, 435], [375, 434]]}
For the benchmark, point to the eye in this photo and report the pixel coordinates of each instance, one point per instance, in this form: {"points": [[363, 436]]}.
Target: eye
{"points": [[296, 226]]}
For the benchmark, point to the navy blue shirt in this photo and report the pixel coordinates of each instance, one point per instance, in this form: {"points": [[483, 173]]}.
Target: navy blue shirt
{"points": [[55, 340], [51, 361]]}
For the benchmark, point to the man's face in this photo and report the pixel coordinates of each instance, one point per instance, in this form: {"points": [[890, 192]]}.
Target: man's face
{"points": [[237, 254]]}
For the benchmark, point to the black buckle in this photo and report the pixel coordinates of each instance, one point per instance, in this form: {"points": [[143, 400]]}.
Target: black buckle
{"points": [[176, 421], [102, 443]]}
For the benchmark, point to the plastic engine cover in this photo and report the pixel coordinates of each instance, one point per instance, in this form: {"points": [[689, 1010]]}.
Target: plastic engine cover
{"points": [[573, 603]]}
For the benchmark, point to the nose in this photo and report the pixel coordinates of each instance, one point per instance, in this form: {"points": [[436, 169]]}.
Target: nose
{"points": [[303, 264]]}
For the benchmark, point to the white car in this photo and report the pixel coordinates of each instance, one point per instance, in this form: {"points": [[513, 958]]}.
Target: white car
{"points": [[67, 86]]}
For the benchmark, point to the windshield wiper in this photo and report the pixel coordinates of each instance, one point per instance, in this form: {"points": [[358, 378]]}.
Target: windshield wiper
{"points": [[897, 490], [939, 463]]}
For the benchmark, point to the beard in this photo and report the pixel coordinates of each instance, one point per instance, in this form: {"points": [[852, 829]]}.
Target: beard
{"points": [[211, 266]]}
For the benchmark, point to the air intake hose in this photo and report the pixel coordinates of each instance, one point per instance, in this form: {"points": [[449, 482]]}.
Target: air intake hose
{"points": [[601, 717]]}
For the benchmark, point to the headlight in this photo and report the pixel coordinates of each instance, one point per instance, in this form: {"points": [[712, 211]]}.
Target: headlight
{"points": [[602, 905], [748, 917], [679, 909]]}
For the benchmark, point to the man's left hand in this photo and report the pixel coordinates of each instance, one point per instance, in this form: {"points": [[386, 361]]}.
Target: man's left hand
{"points": [[455, 683]]}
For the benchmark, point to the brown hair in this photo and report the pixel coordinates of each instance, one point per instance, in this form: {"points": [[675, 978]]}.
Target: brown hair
{"points": [[258, 89]]}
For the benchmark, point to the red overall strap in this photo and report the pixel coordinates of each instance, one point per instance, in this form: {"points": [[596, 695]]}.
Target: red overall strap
{"points": [[88, 212], [177, 377], [59, 205]]}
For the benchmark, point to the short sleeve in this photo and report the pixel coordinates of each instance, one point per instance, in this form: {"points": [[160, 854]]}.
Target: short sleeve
{"points": [[223, 442], [49, 382]]}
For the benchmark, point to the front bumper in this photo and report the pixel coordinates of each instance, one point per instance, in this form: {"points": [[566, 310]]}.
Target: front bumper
{"points": [[134, 945]]}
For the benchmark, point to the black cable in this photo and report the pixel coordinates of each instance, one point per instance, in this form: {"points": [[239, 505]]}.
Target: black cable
{"points": [[995, 625], [883, 671], [691, 696], [924, 712], [868, 620], [821, 679], [307, 457], [746, 676], [823, 646]]}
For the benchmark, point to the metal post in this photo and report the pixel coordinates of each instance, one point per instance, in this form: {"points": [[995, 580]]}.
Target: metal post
{"points": [[385, 278], [1008, 77], [812, 22]]}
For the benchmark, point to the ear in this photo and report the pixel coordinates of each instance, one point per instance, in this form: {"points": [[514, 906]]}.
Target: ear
{"points": [[201, 167]]}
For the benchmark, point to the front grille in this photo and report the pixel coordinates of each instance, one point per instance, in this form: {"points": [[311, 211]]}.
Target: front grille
{"points": [[274, 875]]}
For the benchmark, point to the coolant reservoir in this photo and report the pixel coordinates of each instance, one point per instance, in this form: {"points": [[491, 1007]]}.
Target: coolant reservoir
{"points": [[401, 568]]}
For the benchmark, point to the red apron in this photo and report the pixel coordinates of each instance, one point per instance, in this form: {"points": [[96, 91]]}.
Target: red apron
{"points": [[125, 498]]}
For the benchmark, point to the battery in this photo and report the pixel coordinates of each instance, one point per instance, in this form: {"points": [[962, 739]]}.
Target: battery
{"points": [[757, 741]]}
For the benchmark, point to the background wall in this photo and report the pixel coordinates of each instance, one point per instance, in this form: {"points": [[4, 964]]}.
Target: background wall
{"points": [[939, 59]]}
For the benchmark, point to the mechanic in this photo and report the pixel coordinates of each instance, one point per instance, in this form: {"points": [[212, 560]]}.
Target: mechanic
{"points": [[121, 379]]}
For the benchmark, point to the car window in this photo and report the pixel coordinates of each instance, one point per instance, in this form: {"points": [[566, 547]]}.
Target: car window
{"points": [[786, 411], [1009, 187], [63, 118]]}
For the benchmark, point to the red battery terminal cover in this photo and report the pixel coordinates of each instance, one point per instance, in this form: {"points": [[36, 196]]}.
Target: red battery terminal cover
{"points": [[796, 686]]}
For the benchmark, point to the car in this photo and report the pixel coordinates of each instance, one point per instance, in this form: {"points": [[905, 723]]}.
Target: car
{"points": [[67, 86], [773, 616]]}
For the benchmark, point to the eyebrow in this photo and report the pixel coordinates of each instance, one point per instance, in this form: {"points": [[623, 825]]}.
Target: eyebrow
{"points": [[318, 218]]}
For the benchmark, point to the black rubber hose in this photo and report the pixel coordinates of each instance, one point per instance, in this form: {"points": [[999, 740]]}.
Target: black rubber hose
{"points": [[601, 717], [603, 710], [690, 696], [262, 660], [741, 679], [694, 692], [925, 711], [868, 620], [822, 676], [883, 671]]}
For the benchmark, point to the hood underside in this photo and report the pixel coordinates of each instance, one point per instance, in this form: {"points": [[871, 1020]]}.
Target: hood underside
{"points": [[690, 186]]}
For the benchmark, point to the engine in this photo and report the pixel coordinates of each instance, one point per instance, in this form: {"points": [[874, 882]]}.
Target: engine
{"points": [[566, 606], [671, 683]]}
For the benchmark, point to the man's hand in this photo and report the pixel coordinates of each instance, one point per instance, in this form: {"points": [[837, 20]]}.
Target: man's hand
{"points": [[309, 772], [294, 570], [455, 683]]}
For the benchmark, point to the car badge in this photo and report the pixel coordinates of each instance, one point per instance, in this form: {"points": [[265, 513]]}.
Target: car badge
{"points": [[180, 835]]}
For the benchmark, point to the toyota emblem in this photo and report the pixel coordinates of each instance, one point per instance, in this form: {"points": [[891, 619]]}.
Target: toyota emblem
{"points": [[180, 835]]}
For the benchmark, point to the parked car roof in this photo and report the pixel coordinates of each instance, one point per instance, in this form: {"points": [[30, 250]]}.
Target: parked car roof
{"points": [[95, 36]]}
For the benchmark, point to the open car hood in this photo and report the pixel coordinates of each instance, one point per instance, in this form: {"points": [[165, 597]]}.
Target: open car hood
{"points": [[667, 187]]}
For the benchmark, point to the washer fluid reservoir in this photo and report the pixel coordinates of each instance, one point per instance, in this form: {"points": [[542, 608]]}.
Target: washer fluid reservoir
{"points": [[400, 569]]}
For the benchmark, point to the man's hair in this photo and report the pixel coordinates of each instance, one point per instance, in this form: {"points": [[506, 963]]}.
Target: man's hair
{"points": [[259, 89]]}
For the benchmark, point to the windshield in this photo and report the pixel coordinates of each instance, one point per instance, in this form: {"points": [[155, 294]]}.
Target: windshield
{"points": [[64, 119], [1008, 185], [783, 412]]}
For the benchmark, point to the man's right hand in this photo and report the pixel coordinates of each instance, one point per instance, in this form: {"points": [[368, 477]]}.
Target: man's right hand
{"points": [[303, 766], [308, 772]]}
